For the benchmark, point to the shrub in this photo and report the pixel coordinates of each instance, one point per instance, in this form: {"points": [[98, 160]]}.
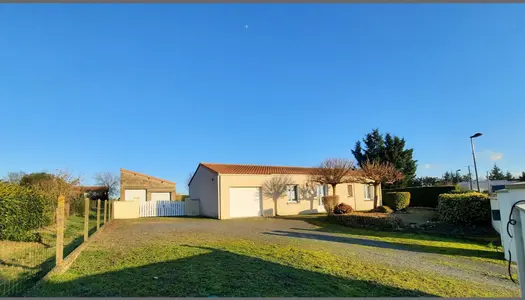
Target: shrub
{"points": [[329, 203], [466, 209], [426, 196], [21, 211], [383, 209], [397, 200], [342, 209], [369, 220]]}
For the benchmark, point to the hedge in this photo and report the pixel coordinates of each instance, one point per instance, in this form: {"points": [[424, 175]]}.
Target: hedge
{"points": [[466, 209], [368, 220], [427, 196], [21, 211], [397, 200]]}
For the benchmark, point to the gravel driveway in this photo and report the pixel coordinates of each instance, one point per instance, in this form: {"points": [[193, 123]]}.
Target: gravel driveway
{"points": [[132, 233]]}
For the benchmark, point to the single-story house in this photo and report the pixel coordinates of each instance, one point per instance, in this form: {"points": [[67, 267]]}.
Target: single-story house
{"points": [[143, 188], [94, 192], [229, 191]]}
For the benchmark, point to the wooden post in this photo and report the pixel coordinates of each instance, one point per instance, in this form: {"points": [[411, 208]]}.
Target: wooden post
{"points": [[60, 230], [86, 219], [105, 211], [98, 214], [109, 210]]}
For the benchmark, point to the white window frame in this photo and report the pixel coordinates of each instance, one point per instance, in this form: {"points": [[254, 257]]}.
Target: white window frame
{"points": [[291, 191], [351, 186], [369, 192], [322, 190]]}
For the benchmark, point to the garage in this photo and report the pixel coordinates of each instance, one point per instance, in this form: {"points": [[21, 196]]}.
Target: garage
{"points": [[160, 196], [135, 195], [245, 202]]}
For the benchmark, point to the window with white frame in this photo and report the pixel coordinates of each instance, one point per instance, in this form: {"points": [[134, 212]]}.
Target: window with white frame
{"points": [[350, 190], [322, 190], [369, 192], [292, 193]]}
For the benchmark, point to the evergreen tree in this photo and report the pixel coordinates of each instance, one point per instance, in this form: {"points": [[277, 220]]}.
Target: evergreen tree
{"points": [[390, 149], [522, 177], [508, 176], [496, 173]]}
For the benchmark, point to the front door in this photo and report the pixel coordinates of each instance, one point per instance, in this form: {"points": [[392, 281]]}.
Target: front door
{"points": [[322, 190]]}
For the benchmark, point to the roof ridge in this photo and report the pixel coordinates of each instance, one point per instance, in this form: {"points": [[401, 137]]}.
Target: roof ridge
{"points": [[255, 165], [146, 175]]}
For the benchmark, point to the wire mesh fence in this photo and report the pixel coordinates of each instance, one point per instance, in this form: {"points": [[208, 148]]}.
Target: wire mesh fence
{"points": [[22, 264]]}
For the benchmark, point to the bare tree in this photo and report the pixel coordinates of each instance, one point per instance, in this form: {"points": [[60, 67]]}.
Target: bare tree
{"points": [[333, 171], [376, 173], [14, 177], [276, 188], [110, 181]]}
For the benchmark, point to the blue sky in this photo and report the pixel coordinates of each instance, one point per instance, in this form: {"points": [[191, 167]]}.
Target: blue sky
{"points": [[159, 88]]}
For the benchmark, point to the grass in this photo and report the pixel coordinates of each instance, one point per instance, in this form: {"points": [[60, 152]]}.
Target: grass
{"points": [[415, 241], [24, 262], [203, 266]]}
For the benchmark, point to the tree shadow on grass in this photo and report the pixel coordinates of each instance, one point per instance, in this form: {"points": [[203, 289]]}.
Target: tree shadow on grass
{"points": [[217, 273], [387, 245]]}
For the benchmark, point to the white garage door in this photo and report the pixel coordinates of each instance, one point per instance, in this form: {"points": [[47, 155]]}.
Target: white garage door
{"points": [[245, 202], [160, 196], [135, 195]]}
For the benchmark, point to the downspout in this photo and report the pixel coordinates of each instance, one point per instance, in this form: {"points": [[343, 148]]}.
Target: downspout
{"points": [[354, 194], [219, 196]]}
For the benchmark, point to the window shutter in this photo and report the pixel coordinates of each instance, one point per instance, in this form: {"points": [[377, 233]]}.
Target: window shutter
{"points": [[297, 193]]}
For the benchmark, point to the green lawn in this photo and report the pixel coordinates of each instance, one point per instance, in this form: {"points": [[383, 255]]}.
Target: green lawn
{"points": [[23, 262], [202, 265]]}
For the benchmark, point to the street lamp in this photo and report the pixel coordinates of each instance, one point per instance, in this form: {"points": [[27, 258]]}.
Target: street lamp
{"points": [[469, 178], [457, 175], [474, 157]]}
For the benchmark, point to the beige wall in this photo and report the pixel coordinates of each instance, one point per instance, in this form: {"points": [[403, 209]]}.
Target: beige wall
{"points": [[191, 207], [125, 209], [204, 187], [308, 200]]}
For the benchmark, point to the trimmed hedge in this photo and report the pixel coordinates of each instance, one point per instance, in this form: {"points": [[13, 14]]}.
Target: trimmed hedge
{"points": [[330, 202], [397, 200], [343, 208], [426, 196], [21, 211], [466, 209], [369, 220]]}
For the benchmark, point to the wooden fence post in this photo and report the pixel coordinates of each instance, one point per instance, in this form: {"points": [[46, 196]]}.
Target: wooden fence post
{"points": [[109, 210], [98, 214], [60, 230], [105, 210], [86, 219]]}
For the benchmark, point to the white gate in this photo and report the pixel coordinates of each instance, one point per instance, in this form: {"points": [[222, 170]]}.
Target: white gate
{"points": [[161, 209]]}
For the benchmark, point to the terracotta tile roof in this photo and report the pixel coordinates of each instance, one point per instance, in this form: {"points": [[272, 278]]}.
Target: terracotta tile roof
{"points": [[255, 169]]}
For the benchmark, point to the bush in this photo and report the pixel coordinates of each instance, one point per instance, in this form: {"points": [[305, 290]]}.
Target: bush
{"points": [[383, 209], [466, 209], [369, 220], [427, 196], [397, 200], [329, 203], [342, 209], [21, 211]]}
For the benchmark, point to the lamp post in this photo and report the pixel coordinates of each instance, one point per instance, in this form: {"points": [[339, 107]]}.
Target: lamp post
{"points": [[457, 175], [474, 157], [469, 177]]}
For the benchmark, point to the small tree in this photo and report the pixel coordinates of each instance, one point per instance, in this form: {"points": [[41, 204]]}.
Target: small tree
{"points": [[14, 177], [496, 173], [376, 173], [333, 171], [110, 181], [508, 176], [522, 177], [276, 188]]}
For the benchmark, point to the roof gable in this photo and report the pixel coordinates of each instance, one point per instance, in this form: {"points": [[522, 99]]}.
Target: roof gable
{"points": [[146, 176]]}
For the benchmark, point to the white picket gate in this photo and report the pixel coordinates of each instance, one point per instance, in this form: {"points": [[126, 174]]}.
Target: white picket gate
{"points": [[161, 209]]}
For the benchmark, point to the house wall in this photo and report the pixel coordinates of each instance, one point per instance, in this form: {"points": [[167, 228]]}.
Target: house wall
{"points": [[128, 180], [308, 200], [204, 187]]}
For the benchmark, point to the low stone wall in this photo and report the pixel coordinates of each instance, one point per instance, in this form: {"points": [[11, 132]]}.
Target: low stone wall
{"points": [[126, 209]]}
